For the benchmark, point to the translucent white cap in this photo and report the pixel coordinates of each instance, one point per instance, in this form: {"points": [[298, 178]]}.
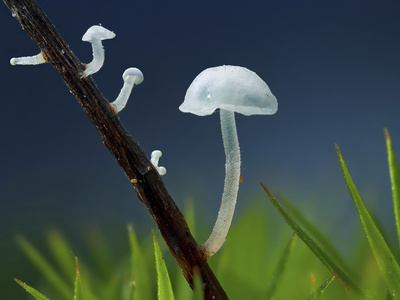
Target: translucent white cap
{"points": [[97, 32], [135, 74], [230, 88]]}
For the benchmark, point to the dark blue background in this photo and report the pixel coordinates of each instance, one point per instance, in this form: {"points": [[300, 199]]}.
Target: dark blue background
{"points": [[333, 66]]}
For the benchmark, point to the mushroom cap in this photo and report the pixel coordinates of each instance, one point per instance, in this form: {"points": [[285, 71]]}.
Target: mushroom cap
{"points": [[97, 32], [230, 88], [135, 73]]}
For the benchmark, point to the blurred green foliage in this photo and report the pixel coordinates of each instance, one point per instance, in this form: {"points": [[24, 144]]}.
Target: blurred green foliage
{"points": [[261, 259]]}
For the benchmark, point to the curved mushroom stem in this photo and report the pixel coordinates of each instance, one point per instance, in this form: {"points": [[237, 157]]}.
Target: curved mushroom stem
{"points": [[120, 103], [98, 58], [29, 60], [123, 96], [131, 77], [231, 187]]}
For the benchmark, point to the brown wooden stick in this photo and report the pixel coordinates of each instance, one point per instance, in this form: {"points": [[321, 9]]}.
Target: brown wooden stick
{"points": [[130, 156]]}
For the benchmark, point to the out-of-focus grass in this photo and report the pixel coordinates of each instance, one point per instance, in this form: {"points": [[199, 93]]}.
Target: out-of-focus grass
{"points": [[254, 263], [164, 288], [34, 293], [380, 248], [261, 259], [318, 247], [394, 172]]}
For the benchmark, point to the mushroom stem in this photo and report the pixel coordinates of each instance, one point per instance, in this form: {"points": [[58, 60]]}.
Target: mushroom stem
{"points": [[98, 58], [155, 157], [231, 187], [123, 96], [28, 60], [131, 77]]}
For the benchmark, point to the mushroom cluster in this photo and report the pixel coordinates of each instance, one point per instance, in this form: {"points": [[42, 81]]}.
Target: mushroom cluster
{"points": [[132, 76], [230, 89], [227, 88]]}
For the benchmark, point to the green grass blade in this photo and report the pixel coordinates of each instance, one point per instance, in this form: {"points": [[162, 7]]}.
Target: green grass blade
{"points": [[316, 295], [337, 270], [62, 253], [31, 290], [384, 257], [78, 289], [325, 285], [182, 289], [245, 258], [198, 293], [280, 268], [190, 216], [164, 283], [314, 231], [47, 270], [100, 252], [394, 172], [140, 275]]}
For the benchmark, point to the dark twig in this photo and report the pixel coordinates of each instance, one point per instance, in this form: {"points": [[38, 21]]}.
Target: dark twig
{"points": [[144, 177]]}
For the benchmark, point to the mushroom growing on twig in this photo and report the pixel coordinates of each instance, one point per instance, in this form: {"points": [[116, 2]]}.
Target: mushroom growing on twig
{"points": [[155, 157], [231, 89], [131, 77], [95, 35], [29, 60]]}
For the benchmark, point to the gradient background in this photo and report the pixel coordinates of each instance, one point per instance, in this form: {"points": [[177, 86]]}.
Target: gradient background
{"points": [[333, 66]]}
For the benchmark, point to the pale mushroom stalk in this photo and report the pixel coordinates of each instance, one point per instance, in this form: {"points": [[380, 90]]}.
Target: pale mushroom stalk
{"points": [[98, 58], [131, 77], [28, 60], [123, 96], [231, 186]]}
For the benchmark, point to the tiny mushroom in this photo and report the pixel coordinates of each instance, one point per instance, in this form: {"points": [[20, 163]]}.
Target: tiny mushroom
{"points": [[231, 89], [29, 60], [131, 77], [155, 156], [95, 35]]}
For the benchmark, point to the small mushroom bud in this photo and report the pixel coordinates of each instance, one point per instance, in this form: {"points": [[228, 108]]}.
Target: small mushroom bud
{"points": [[95, 35], [131, 77], [155, 156], [29, 60]]}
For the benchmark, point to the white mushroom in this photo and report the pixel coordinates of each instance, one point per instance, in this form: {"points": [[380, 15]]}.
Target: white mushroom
{"points": [[95, 35], [231, 89], [131, 77], [155, 156], [29, 60]]}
